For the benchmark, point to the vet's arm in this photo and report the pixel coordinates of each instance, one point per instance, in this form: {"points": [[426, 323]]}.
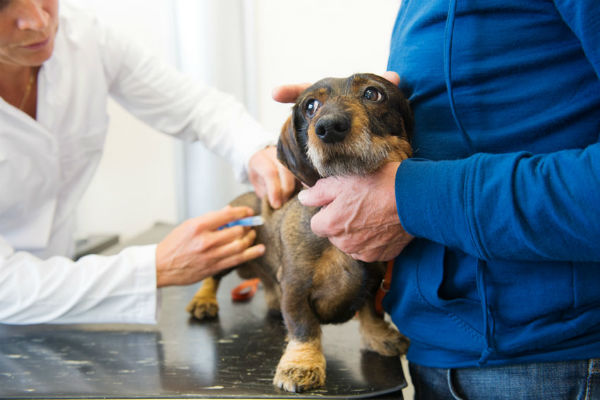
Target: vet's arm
{"points": [[175, 104], [94, 289]]}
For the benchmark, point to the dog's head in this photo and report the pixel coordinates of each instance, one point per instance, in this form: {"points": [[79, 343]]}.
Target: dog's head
{"points": [[345, 126]]}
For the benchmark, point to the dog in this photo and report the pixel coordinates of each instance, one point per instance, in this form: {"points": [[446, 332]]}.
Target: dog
{"points": [[337, 127]]}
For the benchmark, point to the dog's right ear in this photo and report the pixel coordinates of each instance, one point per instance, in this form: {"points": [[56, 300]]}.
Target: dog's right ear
{"points": [[292, 154]]}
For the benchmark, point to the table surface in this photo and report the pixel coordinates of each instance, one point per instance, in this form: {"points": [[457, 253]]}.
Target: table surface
{"points": [[232, 356]]}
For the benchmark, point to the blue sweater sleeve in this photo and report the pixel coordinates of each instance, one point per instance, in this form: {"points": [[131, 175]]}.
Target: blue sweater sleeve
{"points": [[515, 206], [583, 17], [509, 206]]}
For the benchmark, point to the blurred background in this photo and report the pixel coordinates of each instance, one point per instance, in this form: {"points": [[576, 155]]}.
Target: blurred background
{"points": [[244, 47]]}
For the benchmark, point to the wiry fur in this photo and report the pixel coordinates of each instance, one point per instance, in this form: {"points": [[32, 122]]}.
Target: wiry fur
{"points": [[306, 279]]}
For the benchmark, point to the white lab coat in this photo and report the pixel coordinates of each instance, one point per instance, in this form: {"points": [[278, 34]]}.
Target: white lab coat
{"points": [[46, 165]]}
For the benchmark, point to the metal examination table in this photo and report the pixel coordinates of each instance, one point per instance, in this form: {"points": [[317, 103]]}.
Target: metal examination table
{"points": [[233, 356]]}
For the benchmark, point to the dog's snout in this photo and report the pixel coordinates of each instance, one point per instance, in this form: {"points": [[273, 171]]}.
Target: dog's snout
{"points": [[332, 128]]}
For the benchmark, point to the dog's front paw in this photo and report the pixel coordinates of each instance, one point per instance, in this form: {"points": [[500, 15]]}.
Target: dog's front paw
{"points": [[302, 367], [385, 340], [203, 307]]}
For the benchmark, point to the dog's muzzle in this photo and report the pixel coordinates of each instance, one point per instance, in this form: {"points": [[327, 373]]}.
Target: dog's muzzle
{"points": [[333, 128]]}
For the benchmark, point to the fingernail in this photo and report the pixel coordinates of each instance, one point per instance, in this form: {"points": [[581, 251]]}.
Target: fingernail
{"points": [[302, 196]]}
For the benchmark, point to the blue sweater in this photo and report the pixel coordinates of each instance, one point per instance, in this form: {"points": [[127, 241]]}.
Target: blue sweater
{"points": [[503, 194]]}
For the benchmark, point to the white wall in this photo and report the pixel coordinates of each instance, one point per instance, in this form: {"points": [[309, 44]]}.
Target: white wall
{"points": [[304, 41], [212, 49], [253, 45]]}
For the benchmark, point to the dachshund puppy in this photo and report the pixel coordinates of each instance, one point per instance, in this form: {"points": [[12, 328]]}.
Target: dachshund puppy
{"points": [[337, 127]]}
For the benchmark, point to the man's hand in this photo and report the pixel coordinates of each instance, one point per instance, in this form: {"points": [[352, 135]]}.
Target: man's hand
{"points": [[359, 215], [197, 248], [289, 93], [270, 178]]}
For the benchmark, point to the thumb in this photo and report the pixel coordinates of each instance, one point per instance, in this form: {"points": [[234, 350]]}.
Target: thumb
{"points": [[215, 219], [288, 93], [322, 193], [392, 76]]}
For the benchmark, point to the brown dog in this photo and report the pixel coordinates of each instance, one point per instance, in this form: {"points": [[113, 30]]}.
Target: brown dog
{"points": [[338, 127]]}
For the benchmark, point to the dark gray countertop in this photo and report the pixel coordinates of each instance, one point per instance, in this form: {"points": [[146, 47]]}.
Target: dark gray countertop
{"points": [[233, 356]]}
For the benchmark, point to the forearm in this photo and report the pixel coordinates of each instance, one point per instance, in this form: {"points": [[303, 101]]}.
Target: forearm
{"points": [[512, 206], [95, 289]]}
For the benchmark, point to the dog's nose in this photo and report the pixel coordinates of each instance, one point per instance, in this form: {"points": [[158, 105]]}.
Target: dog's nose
{"points": [[332, 128]]}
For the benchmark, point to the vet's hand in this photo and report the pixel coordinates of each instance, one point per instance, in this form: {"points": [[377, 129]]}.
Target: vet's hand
{"points": [[270, 178], [197, 248], [359, 214], [289, 93]]}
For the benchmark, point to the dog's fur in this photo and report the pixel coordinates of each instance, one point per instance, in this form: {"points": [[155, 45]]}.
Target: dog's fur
{"points": [[338, 127]]}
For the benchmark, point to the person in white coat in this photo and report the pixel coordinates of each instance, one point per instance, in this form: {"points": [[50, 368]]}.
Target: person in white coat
{"points": [[58, 67]]}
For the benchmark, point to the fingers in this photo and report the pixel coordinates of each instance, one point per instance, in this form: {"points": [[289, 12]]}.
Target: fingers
{"points": [[209, 240], [249, 254], [282, 186], [321, 194], [230, 245], [392, 76], [236, 252], [270, 178], [216, 219], [197, 248], [288, 93], [288, 182], [273, 188]]}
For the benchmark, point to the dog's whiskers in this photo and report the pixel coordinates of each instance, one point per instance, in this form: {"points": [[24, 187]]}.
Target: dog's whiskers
{"points": [[358, 156]]}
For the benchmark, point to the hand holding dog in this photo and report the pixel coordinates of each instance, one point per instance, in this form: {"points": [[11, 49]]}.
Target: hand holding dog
{"points": [[197, 248], [270, 178], [289, 93], [359, 214]]}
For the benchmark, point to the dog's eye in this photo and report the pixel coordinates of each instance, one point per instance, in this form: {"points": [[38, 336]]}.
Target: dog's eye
{"points": [[373, 94], [311, 107]]}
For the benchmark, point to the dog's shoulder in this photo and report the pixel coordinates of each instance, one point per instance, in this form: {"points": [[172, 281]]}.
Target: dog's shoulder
{"points": [[249, 199]]}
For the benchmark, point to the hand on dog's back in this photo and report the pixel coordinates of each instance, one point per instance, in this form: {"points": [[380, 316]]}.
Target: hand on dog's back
{"points": [[270, 178]]}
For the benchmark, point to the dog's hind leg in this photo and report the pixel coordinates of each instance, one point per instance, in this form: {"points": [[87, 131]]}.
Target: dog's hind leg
{"points": [[378, 334], [272, 298], [204, 304]]}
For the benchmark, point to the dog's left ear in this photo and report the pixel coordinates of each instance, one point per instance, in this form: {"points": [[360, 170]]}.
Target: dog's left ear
{"points": [[293, 155]]}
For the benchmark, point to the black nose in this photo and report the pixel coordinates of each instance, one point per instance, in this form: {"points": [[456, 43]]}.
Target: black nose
{"points": [[332, 128]]}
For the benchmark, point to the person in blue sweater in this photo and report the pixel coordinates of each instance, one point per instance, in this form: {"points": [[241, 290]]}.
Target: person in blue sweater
{"points": [[495, 223]]}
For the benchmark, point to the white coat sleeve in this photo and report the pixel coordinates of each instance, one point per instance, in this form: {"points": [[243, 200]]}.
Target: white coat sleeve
{"points": [[95, 289], [173, 103]]}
